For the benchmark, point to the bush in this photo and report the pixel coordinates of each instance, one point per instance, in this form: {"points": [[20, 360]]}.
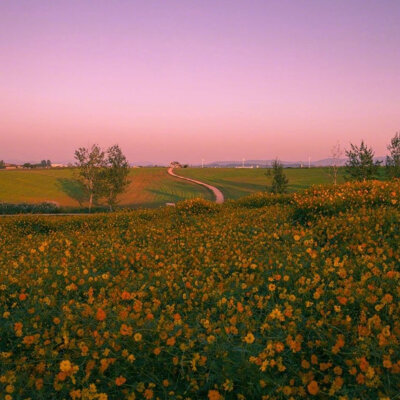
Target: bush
{"points": [[24, 208], [196, 207], [334, 199], [258, 200]]}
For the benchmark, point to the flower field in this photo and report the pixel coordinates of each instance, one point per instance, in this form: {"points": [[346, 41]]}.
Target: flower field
{"points": [[270, 297]]}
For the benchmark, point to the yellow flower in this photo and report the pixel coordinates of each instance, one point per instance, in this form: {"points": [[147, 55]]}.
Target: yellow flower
{"points": [[65, 366], [249, 338], [9, 389], [137, 337]]}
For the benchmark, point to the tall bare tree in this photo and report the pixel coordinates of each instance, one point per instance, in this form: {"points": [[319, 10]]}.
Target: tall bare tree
{"points": [[91, 164], [393, 159], [336, 154]]}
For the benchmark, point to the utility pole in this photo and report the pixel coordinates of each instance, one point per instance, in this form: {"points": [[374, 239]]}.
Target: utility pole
{"points": [[242, 162], [202, 163], [309, 162]]}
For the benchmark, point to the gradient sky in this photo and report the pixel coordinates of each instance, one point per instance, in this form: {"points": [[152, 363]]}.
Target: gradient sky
{"points": [[191, 79]]}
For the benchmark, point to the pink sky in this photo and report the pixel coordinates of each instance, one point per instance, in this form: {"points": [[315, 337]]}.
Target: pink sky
{"points": [[186, 80]]}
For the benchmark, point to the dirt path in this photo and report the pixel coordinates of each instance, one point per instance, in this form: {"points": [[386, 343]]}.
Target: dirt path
{"points": [[219, 197]]}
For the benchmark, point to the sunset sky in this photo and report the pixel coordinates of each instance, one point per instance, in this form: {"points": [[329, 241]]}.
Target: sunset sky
{"points": [[185, 80]]}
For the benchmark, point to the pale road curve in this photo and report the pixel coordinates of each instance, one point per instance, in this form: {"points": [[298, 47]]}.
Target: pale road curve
{"points": [[219, 197]]}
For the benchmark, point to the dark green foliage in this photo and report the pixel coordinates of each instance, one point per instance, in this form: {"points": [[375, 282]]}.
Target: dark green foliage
{"points": [[114, 177], [360, 165], [24, 208], [279, 179], [90, 163]]}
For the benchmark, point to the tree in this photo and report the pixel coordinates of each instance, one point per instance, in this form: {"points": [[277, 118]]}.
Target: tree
{"points": [[114, 178], [91, 164], [393, 159], [2, 164], [336, 154], [279, 179], [43, 164], [48, 163], [360, 165]]}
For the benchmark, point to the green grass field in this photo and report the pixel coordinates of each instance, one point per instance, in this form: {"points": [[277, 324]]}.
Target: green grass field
{"points": [[150, 187], [237, 182]]}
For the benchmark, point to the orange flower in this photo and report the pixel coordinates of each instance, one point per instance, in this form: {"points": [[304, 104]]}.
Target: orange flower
{"points": [[214, 395], [101, 315], [126, 330], [28, 340], [157, 351], [313, 388], [120, 381], [18, 326], [22, 296], [125, 295], [171, 341]]}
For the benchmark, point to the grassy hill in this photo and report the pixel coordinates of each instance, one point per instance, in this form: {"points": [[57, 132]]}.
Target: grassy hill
{"points": [[150, 187], [294, 296], [238, 182]]}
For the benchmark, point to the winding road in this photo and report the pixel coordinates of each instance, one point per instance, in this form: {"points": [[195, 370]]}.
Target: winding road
{"points": [[219, 197]]}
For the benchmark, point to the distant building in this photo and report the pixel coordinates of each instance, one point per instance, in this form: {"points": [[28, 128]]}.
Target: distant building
{"points": [[55, 165], [11, 166]]}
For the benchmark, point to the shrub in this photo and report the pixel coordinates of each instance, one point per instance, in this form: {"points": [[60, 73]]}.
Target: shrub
{"points": [[258, 200], [24, 208], [196, 207]]}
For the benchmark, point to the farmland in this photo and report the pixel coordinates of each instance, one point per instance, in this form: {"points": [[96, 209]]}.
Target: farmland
{"points": [[238, 182], [269, 297], [150, 187]]}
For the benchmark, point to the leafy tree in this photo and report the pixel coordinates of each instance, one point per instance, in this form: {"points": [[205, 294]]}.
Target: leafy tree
{"points": [[360, 165], [2, 164], [114, 178], [48, 163], [91, 164], [279, 179], [393, 160]]}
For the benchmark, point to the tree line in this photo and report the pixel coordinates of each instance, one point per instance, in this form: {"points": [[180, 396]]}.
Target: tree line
{"points": [[360, 165], [42, 164]]}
